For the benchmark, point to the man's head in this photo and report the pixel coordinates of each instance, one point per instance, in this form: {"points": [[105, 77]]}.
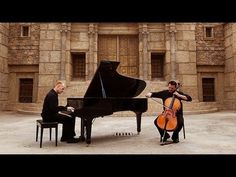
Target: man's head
{"points": [[172, 85], [59, 87]]}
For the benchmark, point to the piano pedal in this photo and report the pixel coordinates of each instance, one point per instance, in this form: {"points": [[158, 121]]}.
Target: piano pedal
{"points": [[124, 134]]}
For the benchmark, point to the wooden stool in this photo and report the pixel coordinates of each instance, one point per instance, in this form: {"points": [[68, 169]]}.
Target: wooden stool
{"points": [[50, 125]]}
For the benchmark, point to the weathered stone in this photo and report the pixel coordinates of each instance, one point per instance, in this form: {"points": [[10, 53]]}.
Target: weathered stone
{"points": [[187, 68], [55, 56], [46, 45], [182, 56], [49, 68], [50, 45]]}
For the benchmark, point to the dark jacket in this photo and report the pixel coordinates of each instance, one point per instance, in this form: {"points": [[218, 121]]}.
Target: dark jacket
{"points": [[50, 106]]}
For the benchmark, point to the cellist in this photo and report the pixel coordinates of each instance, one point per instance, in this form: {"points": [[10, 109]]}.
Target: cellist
{"points": [[168, 94]]}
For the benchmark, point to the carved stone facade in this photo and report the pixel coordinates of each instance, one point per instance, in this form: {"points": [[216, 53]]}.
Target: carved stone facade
{"points": [[193, 51]]}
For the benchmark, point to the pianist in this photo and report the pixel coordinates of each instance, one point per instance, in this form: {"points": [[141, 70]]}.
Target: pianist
{"points": [[50, 113]]}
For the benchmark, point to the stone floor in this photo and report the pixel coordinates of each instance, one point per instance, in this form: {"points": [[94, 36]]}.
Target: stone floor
{"points": [[211, 133]]}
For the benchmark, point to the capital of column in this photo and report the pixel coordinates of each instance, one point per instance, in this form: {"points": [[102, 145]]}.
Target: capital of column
{"points": [[65, 28], [92, 28], [64, 31], [144, 32], [172, 28], [172, 31], [91, 32], [143, 29]]}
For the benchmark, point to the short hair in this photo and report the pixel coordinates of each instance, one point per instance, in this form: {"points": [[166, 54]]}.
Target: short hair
{"points": [[59, 83], [172, 83]]}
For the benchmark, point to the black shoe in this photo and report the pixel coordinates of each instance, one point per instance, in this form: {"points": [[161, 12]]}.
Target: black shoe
{"points": [[166, 137], [175, 140], [73, 140], [175, 137], [63, 139]]}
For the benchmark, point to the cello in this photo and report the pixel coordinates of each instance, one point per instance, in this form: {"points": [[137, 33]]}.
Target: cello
{"points": [[168, 120]]}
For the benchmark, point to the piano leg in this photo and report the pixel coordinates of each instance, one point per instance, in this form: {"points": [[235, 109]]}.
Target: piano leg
{"points": [[88, 124], [138, 119], [82, 138]]}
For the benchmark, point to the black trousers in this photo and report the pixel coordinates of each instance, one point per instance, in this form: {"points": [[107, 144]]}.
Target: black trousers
{"points": [[68, 125], [175, 135]]}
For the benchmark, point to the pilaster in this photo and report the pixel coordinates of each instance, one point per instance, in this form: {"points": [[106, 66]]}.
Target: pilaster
{"points": [[143, 59]]}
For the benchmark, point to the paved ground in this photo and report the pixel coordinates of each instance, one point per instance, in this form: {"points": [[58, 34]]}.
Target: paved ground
{"points": [[212, 133]]}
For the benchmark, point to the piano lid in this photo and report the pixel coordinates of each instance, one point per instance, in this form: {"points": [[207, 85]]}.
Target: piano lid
{"points": [[107, 82]]}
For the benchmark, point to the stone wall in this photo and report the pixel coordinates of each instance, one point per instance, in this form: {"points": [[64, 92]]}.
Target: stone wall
{"points": [[50, 55], [210, 51], [177, 41], [186, 58], [230, 66], [23, 50], [45, 56], [211, 58], [23, 60], [4, 32]]}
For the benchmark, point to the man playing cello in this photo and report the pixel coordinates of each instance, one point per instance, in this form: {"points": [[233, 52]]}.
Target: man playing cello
{"points": [[169, 98]]}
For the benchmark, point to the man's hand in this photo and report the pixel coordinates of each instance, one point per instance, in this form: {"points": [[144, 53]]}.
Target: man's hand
{"points": [[149, 94], [176, 94], [180, 96], [69, 108]]}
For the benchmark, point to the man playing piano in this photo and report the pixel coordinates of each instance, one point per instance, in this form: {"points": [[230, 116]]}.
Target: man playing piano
{"points": [[50, 113]]}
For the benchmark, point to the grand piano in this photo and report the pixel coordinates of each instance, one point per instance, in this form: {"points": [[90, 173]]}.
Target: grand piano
{"points": [[107, 93]]}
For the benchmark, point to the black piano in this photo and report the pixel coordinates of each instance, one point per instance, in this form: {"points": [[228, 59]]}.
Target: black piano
{"points": [[107, 93]]}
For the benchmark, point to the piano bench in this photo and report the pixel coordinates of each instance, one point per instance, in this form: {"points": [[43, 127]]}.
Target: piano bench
{"points": [[42, 125]]}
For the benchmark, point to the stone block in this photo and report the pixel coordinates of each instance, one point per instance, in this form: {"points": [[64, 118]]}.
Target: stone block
{"points": [[54, 26], [185, 26], [188, 35], [190, 80], [51, 34], [229, 65], [43, 34], [56, 45], [182, 56], [192, 45], [44, 26], [156, 37], [49, 68], [167, 45], [44, 56], [228, 41], [187, 68], [55, 56], [47, 80], [3, 51], [79, 45], [192, 57], [75, 36], [156, 46], [182, 45], [83, 37], [228, 52], [46, 45], [57, 35]]}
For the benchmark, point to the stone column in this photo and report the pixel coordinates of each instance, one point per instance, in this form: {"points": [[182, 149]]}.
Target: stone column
{"points": [[91, 62], [63, 31], [172, 32], [143, 65]]}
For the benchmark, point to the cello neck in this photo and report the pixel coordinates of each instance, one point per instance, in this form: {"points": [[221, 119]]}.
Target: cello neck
{"points": [[172, 102]]}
